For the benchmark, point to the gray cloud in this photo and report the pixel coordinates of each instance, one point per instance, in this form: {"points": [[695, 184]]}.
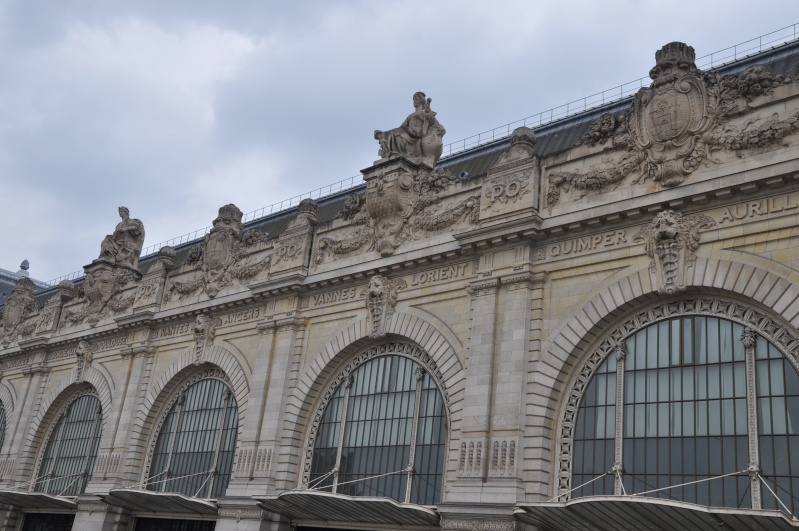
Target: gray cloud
{"points": [[176, 108]]}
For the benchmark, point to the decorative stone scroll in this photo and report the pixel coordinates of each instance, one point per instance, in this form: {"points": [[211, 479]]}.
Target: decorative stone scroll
{"points": [[418, 139], [675, 125], [222, 257], [670, 241], [14, 314], [381, 298]]}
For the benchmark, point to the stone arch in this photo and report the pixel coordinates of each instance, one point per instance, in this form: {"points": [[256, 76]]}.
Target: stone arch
{"points": [[414, 326], [91, 376], [162, 390], [771, 287]]}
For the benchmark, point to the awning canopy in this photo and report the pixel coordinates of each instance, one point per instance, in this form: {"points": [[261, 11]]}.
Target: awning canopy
{"points": [[146, 501], [313, 506], [609, 513], [36, 500]]}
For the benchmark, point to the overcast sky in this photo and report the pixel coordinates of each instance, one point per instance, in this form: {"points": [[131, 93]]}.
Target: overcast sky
{"points": [[176, 108]]}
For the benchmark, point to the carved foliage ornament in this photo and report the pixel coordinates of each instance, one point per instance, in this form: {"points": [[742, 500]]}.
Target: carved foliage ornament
{"points": [[381, 298], [102, 289], [222, 256], [670, 241], [782, 335], [19, 306]]}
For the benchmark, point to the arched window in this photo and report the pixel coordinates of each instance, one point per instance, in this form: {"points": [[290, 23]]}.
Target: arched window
{"points": [[194, 451], [71, 451], [671, 406], [383, 426]]}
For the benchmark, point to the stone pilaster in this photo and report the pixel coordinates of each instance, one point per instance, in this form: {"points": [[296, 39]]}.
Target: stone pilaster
{"points": [[95, 515]]}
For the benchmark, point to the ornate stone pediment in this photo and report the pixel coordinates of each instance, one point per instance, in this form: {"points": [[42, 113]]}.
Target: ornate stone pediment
{"points": [[670, 241], [686, 118], [222, 257], [14, 314]]}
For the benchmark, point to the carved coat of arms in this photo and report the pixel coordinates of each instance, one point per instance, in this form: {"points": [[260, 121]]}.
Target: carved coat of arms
{"points": [[670, 117]]}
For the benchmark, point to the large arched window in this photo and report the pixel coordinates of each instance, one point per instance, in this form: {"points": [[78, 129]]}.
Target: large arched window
{"points": [[194, 451], [71, 451], [671, 405], [385, 425]]}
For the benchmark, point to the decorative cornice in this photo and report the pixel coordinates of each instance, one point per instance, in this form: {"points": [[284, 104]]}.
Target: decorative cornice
{"points": [[481, 288]]}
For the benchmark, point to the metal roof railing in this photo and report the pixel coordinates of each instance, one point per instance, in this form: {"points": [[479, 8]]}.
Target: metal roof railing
{"points": [[741, 50], [732, 53]]}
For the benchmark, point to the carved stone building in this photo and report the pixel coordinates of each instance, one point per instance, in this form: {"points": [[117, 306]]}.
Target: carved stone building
{"points": [[587, 325]]}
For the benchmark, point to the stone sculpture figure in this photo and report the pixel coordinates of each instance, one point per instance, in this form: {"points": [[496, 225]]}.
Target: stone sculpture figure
{"points": [[19, 306], [381, 298], [125, 245], [419, 138]]}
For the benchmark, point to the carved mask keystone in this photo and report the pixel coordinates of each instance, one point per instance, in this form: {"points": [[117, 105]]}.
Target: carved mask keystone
{"points": [[381, 299], [670, 241], [204, 333], [84, 356]]}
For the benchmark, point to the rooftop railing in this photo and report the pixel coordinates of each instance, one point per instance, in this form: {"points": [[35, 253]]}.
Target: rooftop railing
{"points": [[733, 53], [738, 51]]}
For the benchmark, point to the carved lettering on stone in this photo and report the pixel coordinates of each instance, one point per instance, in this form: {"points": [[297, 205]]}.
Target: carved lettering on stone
{"points": [[222, 256], [418, 139], [381, 298], [506, 189], [670, 241], [20, 305]]}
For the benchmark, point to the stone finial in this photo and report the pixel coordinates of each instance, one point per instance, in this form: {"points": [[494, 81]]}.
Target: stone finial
{"points": [[522, 146], [523, 135], [419, 138], [675, 58], [166, 256], [229, 216], [23, 268], [125, 244], [306, 213]]}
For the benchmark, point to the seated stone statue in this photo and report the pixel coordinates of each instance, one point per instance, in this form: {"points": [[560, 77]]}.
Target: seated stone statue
{"points": [[124, 246], [418, 139]]}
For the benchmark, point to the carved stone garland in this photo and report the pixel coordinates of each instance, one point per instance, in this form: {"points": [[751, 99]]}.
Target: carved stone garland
{"points": [[781, 335], [416, 353], [216, 374]]}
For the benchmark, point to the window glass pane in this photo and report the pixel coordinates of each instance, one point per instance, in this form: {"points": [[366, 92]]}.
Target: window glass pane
{"points": [[71, 450]]}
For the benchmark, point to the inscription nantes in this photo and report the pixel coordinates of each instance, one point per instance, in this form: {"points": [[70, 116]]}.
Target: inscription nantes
{"points": [[226, 319], [762, 207]]}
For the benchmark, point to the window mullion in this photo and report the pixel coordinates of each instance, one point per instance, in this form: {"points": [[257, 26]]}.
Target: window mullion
{"points": [[618, 468], [220, 429], [411, 454], [346, 399], [56, 451], [749, 339], [180, 405], [96, 424]]}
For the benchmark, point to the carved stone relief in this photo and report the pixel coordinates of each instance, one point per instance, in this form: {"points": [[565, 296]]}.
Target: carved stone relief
{"points": [[204, 333], [399, 206], [670, 241], [20, 305], [418, 139], [675, 125], [222, 257], [103, 292], [381, 298], [510, 188]]}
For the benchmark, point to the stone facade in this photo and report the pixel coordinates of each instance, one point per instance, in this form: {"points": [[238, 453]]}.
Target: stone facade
{"points": [[507, 272]]}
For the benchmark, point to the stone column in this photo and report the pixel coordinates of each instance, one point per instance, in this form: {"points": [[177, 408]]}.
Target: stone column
{"points": [[94, 515], [283, 377], [749, 339], [250, 475]]}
